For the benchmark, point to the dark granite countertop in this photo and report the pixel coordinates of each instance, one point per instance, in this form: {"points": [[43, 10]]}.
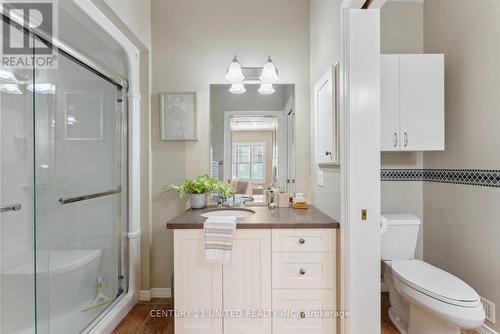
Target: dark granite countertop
{"points": [[264, 218]]}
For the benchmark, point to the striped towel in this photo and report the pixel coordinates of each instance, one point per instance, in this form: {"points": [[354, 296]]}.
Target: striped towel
{"points": [[219, 235]]}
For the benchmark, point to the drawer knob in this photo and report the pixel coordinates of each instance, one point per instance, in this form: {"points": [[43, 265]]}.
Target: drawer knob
{"points": [[302, 272], [302, 315], [302, 241]]}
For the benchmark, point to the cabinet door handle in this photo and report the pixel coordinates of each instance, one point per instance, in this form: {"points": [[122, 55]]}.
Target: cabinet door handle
{"points": [[406, 139], [302, 241], [327, 153], [302, 272], [302, 315], [395, 139]]}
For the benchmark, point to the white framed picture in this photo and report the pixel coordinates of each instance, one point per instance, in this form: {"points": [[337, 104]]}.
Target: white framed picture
{"points": [[178, 116]]}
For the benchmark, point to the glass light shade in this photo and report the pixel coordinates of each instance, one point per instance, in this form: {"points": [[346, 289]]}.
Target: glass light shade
{"points": [[10, 89], [234, 73], [237, 88], [269, 72], [7, 75], [43, 88], [266, 89]]}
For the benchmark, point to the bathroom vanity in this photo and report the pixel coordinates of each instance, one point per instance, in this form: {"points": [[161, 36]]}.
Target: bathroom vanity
{"points": [[283, 266]]}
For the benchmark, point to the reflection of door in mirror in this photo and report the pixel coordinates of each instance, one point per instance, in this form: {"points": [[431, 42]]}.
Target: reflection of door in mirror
{"points": [[252, 138]]}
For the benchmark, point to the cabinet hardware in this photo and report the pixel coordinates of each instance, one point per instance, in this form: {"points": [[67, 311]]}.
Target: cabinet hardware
{"points": [[302, 241], [302, 315], [364, 214], [327, 153], [395, 139], [406, 139], [302, 272], [11, 207]]}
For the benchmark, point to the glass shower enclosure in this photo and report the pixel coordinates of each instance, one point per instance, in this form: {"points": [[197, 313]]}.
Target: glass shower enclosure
{"points": [[63, 177]]}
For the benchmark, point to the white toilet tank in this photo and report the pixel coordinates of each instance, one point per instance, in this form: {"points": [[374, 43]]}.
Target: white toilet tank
{"points": [[400, 237]]}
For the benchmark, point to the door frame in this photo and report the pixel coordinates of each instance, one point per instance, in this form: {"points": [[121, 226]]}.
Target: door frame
{"points": [[360, 170]]}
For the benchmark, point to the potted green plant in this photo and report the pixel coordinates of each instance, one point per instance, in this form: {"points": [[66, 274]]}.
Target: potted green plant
{"points": [[198, 189]]}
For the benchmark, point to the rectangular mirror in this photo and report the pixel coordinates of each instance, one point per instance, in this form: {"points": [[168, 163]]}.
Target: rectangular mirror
{"points": [[252, 139]]}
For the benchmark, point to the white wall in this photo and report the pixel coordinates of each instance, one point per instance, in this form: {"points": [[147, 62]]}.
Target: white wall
{"points": [[193, 42], [325, 51], [136, 14], [462, 226], [401, 30]]}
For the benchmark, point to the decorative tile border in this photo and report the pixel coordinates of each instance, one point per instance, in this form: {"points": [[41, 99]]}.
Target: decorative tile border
{"points": [[474, 177]]}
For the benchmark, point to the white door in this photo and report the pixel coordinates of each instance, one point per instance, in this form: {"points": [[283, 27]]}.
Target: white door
{"points": [[198, 285], [389, 94], [325, 115], [247, 282], [422, 102]]}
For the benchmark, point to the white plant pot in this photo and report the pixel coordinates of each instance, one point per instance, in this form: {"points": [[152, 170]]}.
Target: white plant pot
{"points": [[198, 201]]}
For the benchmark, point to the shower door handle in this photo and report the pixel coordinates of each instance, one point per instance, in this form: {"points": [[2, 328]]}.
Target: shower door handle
{"points": [[10, 207], [89, 196]]}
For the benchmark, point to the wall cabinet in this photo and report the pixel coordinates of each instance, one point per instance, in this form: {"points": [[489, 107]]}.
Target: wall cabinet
{"points": [[412, 102], [326, 118], [279, 270]]}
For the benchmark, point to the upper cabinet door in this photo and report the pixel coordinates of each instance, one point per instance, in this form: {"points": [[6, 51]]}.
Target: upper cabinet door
{"points": [[422, 102], [247, 282], [389, 112], [325, 118]]}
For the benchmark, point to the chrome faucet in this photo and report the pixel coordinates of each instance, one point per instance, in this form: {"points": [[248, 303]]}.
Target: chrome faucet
{"points": [[243, 201]]}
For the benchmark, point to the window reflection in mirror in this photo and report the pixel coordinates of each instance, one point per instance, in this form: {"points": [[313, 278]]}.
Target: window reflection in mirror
{"points": [[252, 139]]}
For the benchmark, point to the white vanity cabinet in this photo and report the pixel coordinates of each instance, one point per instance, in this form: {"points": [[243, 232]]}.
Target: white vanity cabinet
{"points": [[271, 269], [412, 102]]}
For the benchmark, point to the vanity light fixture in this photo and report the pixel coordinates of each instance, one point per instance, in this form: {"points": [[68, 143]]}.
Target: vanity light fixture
{"points": [[10, 89], [237, 88], [7, 75], [268, 77], [269, 72], [236, 77], [234, 74], [42, 88], [266, 89]]}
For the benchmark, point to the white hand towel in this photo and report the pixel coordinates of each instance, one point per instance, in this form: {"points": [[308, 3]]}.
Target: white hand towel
{"points": [[219, 235]]}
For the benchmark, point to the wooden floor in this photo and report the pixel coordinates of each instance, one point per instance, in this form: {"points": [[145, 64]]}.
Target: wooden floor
{"points": [[140, 321]]}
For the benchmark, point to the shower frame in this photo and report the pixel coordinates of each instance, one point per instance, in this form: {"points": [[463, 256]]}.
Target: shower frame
{"points": [[112, 316]]}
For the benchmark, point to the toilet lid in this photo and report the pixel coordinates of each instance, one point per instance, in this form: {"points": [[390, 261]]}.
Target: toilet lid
{"points": [[435, 282]]}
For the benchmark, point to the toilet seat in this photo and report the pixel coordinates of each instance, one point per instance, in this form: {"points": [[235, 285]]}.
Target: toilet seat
{"points": [[435, 283]]}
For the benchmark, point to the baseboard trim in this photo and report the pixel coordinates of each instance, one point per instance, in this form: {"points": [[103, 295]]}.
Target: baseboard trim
{"points": [[485, 330], [146, 295]]}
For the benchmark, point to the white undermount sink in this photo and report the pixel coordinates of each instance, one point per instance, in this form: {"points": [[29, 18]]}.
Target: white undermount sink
{"points": [[241, 213]]}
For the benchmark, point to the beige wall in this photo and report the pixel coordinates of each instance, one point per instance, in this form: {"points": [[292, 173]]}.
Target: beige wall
{"points": [[193, 42], [401, 28], [325, 51], [259, 137], [462, 226]]}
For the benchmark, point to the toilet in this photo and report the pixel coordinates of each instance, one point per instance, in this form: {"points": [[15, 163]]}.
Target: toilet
{"points": [[424, 299]]}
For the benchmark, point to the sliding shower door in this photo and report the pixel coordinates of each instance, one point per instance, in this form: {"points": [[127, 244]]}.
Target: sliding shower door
{"points": [[80, 202]]}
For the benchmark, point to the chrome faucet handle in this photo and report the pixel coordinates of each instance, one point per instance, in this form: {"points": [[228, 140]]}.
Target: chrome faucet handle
{"points": [[245, 199]]}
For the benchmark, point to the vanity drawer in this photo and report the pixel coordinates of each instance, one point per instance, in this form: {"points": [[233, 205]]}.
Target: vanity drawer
{"points": [[303, 270], [304, 306], [304, 241]]}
